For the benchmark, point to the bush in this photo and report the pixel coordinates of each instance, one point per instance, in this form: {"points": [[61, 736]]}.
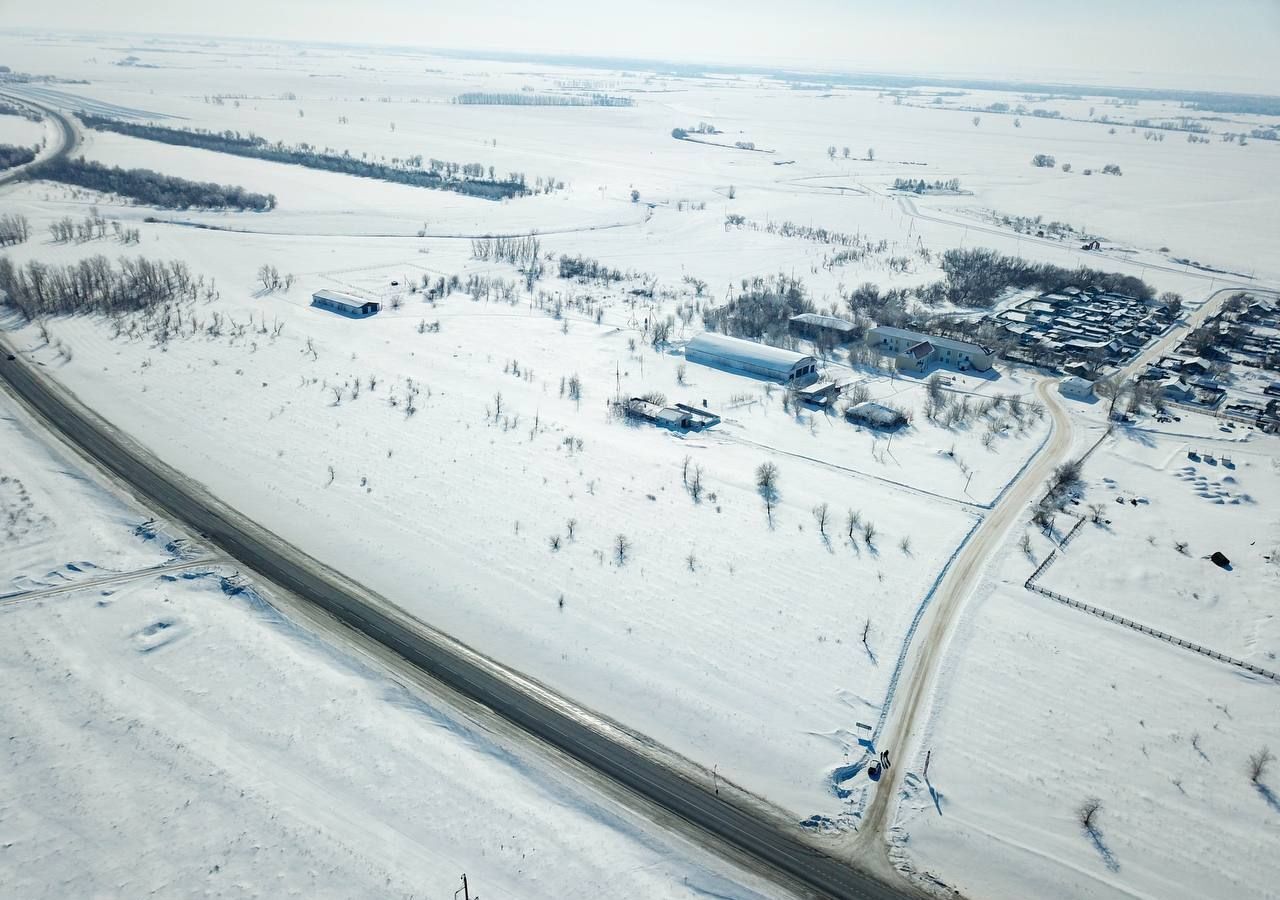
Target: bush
{"points": [[1043, 160]]}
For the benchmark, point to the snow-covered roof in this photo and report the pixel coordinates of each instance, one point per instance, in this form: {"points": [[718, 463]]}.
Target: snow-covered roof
{"points": [[816, 321], [340, 298], [736, 353], [874, 413], [917, 336]]}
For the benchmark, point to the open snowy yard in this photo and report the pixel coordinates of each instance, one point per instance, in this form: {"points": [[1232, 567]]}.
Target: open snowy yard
{"points": [[1170, 503], [1041, 707]]}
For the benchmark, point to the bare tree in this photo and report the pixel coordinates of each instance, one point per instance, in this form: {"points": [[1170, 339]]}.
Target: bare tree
{"points": [[868, 533], [555, 542], [767, 483], [905, 545], [621, 547], [852, 521], [1259, 763], [571, 526], [1087, 814], [821, 513], [695, 484]]}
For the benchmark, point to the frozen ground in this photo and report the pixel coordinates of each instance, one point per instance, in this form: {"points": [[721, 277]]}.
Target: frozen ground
{"points": [[57, 524], [1041, 706], [173, 734], [730, 638], [1209, 497]]}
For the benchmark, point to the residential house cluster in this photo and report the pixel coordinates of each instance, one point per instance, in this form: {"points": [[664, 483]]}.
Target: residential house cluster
{"points": [[1081, 331], [1241, 339]]}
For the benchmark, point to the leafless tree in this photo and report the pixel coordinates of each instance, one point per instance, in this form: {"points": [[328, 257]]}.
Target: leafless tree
{"points": [[1087, 814], [767, 483], [695, 484], [821, 513], [621, 547], [853, 521], [555, 542], [868, 533], [905, 545], [1259, 763], [571, 527]]}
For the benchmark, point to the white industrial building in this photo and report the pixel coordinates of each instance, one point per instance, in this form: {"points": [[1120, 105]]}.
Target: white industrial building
{"points": [[344, 304], [915, 351], [735, 354]]}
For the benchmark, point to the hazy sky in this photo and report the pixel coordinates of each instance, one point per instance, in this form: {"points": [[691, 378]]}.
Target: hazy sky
{"points": [[1222, 44]]}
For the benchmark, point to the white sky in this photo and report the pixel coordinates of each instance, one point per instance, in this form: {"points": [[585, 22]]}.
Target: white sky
{"points": [[1212, 44]]}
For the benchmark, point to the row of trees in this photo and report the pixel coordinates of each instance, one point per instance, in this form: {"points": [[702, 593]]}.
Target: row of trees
{"points": [[468, 178], [11, 155], [152, 188], [762, 310], [920, 186], [94, 285], [91, 227], [975, 277], [478, 98], [581, 268], [14, 229]]}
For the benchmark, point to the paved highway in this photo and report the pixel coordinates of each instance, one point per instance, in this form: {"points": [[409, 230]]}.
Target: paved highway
{"points": [[68, 139]]}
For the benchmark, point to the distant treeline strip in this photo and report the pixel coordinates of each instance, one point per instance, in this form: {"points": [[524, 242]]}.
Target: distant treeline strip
{"points": [[152, 188], [477, 98], [94, 285], [11, 156], [441, 175]]}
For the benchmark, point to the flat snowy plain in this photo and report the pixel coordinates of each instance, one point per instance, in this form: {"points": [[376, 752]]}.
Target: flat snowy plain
{"points": [[731, 639], [173, 734]]}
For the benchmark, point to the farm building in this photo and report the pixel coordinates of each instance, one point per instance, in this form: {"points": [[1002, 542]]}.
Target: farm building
{"points": [[680, 416], [918, 352], [344, 304], [724, 352], [1075, 387], [817, 328], [822, 393], [876, 415]]}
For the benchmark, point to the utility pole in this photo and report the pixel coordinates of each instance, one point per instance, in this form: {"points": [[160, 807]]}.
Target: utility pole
{"points": [[466, 894]]}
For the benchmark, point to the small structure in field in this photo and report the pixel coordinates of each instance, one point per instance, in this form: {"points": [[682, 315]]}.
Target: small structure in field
{"points": [[876, 415], [345, 304], [680, 416], [761, 360], [915, 351], [817, 328], [820, 393], [1076, 388]]}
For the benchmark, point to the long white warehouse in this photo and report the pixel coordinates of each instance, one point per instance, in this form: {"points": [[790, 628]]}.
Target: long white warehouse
{"points": [[723, 352]]}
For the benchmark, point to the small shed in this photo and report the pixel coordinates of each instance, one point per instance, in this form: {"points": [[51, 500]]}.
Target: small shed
{"points": [[344, 304], [750, 358], [876, 415]]}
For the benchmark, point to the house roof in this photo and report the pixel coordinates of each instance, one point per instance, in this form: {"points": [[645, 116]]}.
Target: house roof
{"points": [[875, 413], [916, 336], [720, 349], [922, 350], [340, 298]]}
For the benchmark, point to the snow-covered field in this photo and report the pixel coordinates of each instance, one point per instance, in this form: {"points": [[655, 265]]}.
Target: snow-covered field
{"points": [[452, 471], [1041, 707], [174, 734]]}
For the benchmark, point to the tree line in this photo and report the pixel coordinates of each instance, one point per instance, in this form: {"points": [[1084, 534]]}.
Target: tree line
{"points": [[479, 98], [466, 178], [14, 229], [152, 188], [94, 285], [11, 155], [920, 186], [975, 277]]}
